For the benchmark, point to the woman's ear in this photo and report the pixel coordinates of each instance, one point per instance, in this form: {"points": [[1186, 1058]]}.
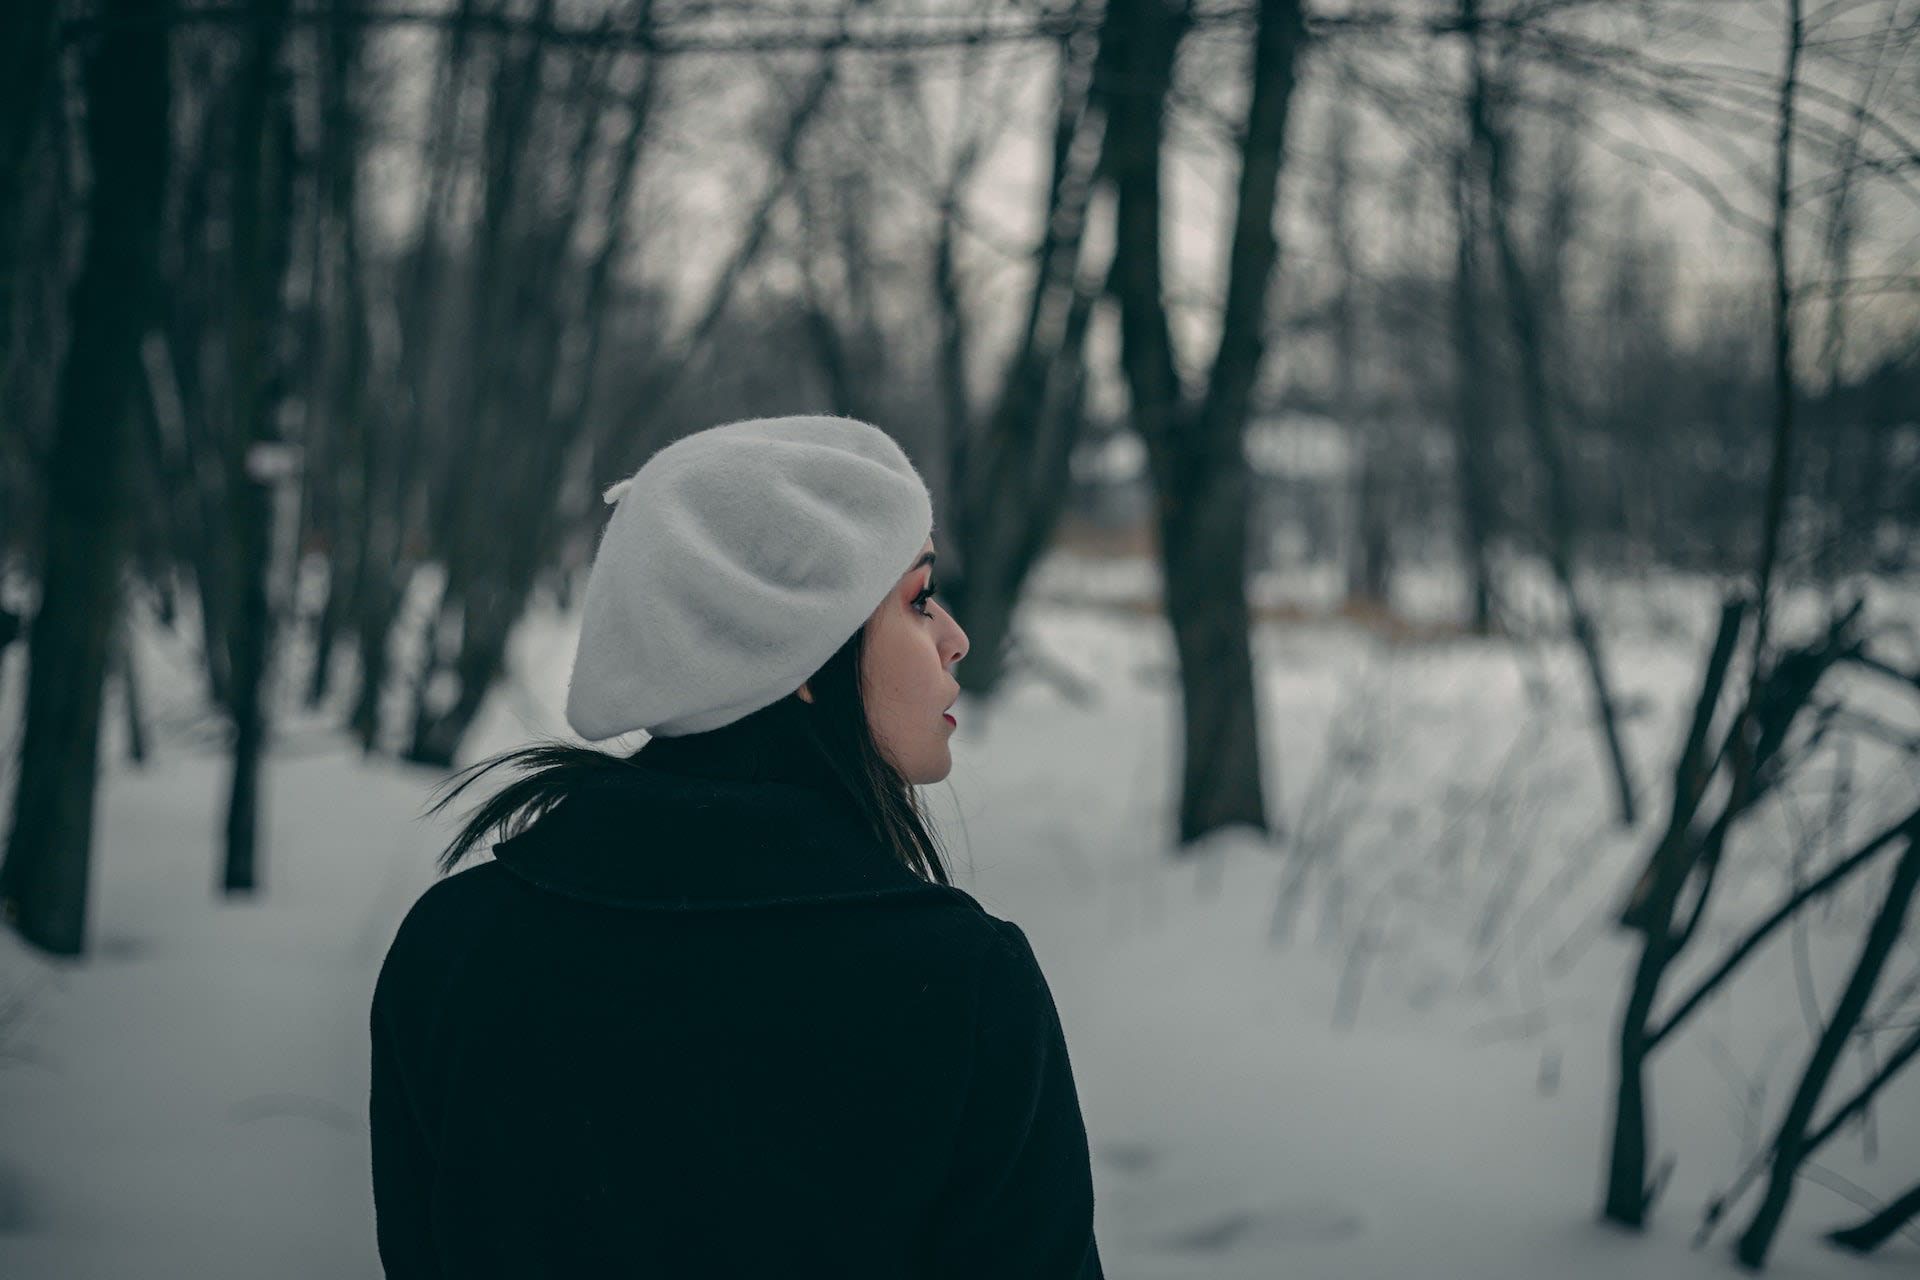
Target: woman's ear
{"points": [[805, 694]]}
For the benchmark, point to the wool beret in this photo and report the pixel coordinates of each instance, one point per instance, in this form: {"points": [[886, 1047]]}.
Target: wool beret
{"points": [[736, 562]]}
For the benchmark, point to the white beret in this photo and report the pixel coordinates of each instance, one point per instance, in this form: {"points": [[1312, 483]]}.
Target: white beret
{"points": [[737, 561]]}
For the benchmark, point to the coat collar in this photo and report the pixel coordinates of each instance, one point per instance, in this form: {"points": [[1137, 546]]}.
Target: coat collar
{"points": [[651, 839]]}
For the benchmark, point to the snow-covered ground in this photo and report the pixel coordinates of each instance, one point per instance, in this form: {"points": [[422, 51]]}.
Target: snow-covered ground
{"points": [[1377, 1046]]}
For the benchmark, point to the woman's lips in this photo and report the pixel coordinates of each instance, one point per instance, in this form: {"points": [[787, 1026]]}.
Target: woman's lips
{"points": [[948, 717]]}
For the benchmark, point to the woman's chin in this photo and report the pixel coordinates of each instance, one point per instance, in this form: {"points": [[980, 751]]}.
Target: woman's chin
{"points": [[934, 768]]}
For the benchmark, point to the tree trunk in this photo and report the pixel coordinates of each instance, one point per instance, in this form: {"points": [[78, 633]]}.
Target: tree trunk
{"points": [[261, 213], [342, 389], [326, 629], [1195, 452], [1223, 782], [1628, 1194], [44, 881], [1472, 457], [487, 616], [1203, 549], [1369, 543], [251, 513], [379, 604]]}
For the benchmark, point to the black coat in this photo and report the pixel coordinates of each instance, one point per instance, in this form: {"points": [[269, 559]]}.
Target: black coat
{"points": [[685, 1026]]}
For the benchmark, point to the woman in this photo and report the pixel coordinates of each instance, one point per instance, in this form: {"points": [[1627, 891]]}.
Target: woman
{"points": [[713, 1009]]}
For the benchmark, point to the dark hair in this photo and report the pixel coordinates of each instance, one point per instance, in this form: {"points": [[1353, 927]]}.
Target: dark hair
{"points": [[828, 738]]}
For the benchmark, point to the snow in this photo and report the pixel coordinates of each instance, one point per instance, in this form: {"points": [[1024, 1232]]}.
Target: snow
{"points": [[1408, 1073]]}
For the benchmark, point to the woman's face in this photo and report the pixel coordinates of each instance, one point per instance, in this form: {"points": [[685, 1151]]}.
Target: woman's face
{"points": [[911, 646]]}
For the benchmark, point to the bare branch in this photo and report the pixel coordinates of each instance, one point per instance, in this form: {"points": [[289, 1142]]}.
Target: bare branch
{"points": [[1834, 877]]}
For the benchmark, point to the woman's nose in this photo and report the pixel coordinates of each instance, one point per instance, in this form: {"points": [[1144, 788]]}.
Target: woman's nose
{"points": [[957, 644]]}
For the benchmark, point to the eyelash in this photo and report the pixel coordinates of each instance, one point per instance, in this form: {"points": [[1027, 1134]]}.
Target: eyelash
{"points": [[926, 593]]}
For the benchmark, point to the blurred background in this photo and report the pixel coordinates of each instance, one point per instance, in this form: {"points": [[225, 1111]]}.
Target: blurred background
{"points": [[1433, 487]]}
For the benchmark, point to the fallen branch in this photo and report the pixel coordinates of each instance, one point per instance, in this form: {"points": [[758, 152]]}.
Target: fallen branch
{"points": [[1871, 1234]]}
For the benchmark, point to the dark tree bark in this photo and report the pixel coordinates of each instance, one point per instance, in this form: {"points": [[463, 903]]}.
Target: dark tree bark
{"points": [[1628, 1194], [261, 216], [1194, 450], [1204, 527], [44, 881]]}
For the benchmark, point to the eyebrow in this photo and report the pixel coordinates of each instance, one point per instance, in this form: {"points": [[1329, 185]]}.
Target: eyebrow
{"points": [[923, 561]]}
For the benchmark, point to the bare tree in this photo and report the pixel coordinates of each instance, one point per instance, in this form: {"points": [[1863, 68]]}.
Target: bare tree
{"points": [[392, 537], [1529, 322], [1008, 474], [260, 226], [338, 467], [44, 881], [618, 453], [1200, 476], [1779, 689], [525, 409]]}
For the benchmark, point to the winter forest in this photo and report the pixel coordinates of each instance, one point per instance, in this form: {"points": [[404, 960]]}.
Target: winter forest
{"points": [[1433, 487]]}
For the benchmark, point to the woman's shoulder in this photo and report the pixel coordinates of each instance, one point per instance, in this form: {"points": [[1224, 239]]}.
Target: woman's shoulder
{"points": [[969, 918], [994, 951], [444, 921], [458, 901]]}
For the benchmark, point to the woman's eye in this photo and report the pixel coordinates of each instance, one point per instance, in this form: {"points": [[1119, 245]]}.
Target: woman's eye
{"points": [[926, 593]]}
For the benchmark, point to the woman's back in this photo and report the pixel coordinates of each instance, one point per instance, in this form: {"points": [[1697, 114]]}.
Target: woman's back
{"points": [[709, 1027], [716, 1011]]}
